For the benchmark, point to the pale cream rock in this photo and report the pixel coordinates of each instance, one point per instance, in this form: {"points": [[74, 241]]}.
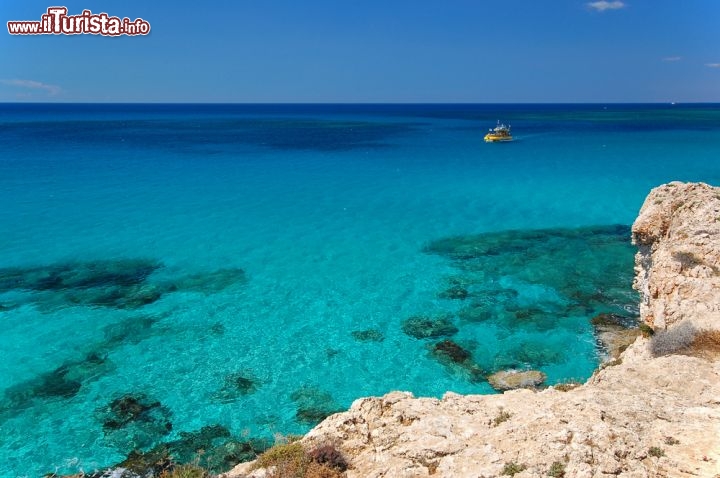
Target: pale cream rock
{"points": [[677, 267], [512, 379]]}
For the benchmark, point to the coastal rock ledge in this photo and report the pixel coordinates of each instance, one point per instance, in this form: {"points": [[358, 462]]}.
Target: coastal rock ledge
{"points": [[654, 412]]}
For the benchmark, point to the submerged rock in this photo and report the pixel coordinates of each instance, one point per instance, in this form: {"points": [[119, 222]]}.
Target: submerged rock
{"points": [[449, 350], [151, 463], [369, 335], [56, 384], [313, 405], [6, 308], [105, 283], [456, 292], [237, 385], [512, 379], [458, 360], [134, 422], [213, 447], [428, 327], [210, 282], [78, 275], [608, 319], [477, 312], [542, 273], [538, 353], [121, 284], [218, 328], [62, 383], [132, 330]]}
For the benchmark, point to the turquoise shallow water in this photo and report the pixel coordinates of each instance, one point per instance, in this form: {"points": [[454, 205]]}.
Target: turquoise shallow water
{"points": [[218, 259]]}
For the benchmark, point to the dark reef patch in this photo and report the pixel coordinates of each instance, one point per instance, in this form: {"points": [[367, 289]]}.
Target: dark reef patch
{"points": [[368, 335], [62, 383], [119, 284], [6, 308], [457, 360], [237, 385], [79, 275], [607, 319], [422, 327], [218, 328], [132, 330], [529, 281], [449, 350], [106, 283], [213, 447], [151, 463], [456, 292], [134, 422], [313, 405], [209, 282]]}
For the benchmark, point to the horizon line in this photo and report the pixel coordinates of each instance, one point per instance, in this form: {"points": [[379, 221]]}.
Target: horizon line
{"points": [[320, 103]]}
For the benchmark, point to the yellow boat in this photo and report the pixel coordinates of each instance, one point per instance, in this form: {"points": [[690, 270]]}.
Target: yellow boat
{"points": [[499, 134]]}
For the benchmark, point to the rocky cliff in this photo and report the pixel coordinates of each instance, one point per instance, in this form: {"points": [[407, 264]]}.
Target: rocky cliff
{"points": [[677, 268], [654, 412]]}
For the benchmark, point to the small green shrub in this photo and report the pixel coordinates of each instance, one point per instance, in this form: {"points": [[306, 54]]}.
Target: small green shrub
{"points": [[671, 441], [512, 468], [656, 451], [646, 330], [557, 470], [289, 460], [501, 417]]}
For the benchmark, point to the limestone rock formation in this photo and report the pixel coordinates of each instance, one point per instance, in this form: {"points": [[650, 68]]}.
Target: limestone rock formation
{"points": [[640, 416], [512, 379], [677, 267]]}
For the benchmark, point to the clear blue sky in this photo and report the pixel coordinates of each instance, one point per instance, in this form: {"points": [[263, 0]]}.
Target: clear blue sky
{"points": [[372, 51]]}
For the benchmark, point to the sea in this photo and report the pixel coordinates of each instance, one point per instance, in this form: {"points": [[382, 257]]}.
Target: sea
{"points": [[205, 279]]}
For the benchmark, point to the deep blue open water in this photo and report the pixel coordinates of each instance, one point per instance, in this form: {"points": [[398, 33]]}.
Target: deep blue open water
{"points": [[207, 276]]}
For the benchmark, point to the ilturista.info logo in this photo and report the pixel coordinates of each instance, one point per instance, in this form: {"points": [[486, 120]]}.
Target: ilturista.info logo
{"points": [[57, 22]]}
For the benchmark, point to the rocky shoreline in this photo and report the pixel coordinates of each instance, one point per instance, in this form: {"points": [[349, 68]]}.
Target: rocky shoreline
{"points": [[652, 412]]}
